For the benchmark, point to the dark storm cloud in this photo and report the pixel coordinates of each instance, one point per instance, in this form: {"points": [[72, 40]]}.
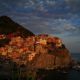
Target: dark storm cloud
{"points": [[74, 4], [45, 8]]}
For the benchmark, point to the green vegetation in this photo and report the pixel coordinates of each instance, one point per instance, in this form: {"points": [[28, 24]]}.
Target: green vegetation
{"points": [[4, 41]]}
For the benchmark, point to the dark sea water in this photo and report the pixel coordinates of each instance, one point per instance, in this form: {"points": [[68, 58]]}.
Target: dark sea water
{"points": [[76, 56], [72, 74]]}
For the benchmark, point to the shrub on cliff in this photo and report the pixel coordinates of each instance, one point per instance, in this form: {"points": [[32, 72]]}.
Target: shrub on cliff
{"points": [[4, 42]]}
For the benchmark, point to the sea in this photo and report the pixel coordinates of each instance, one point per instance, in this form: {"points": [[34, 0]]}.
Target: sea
{"points": [[75, 56], [72, 74]]}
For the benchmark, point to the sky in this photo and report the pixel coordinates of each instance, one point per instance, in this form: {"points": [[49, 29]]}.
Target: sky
{"points": [[55, 17]]}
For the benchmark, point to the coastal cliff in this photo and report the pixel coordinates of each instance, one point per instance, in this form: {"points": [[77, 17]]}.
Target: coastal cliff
{"points": [[50, 53], [39, 51], [25, 53]]}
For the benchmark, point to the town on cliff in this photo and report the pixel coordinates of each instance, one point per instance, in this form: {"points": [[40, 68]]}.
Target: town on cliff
{"points": [[19, 46], [35, 51]]}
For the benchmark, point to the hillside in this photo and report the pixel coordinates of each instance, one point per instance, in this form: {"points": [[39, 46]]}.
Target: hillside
{"points": [[8, 26]]}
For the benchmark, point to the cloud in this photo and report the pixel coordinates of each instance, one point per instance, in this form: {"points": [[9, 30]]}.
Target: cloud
{"points": [[56, 12], [63, 26], [47, 25], [56, 17], [43, 8], [74, 4], [51, 2]]}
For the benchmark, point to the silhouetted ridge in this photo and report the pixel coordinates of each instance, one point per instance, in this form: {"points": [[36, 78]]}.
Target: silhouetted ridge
{"points": [[8, 26]]}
